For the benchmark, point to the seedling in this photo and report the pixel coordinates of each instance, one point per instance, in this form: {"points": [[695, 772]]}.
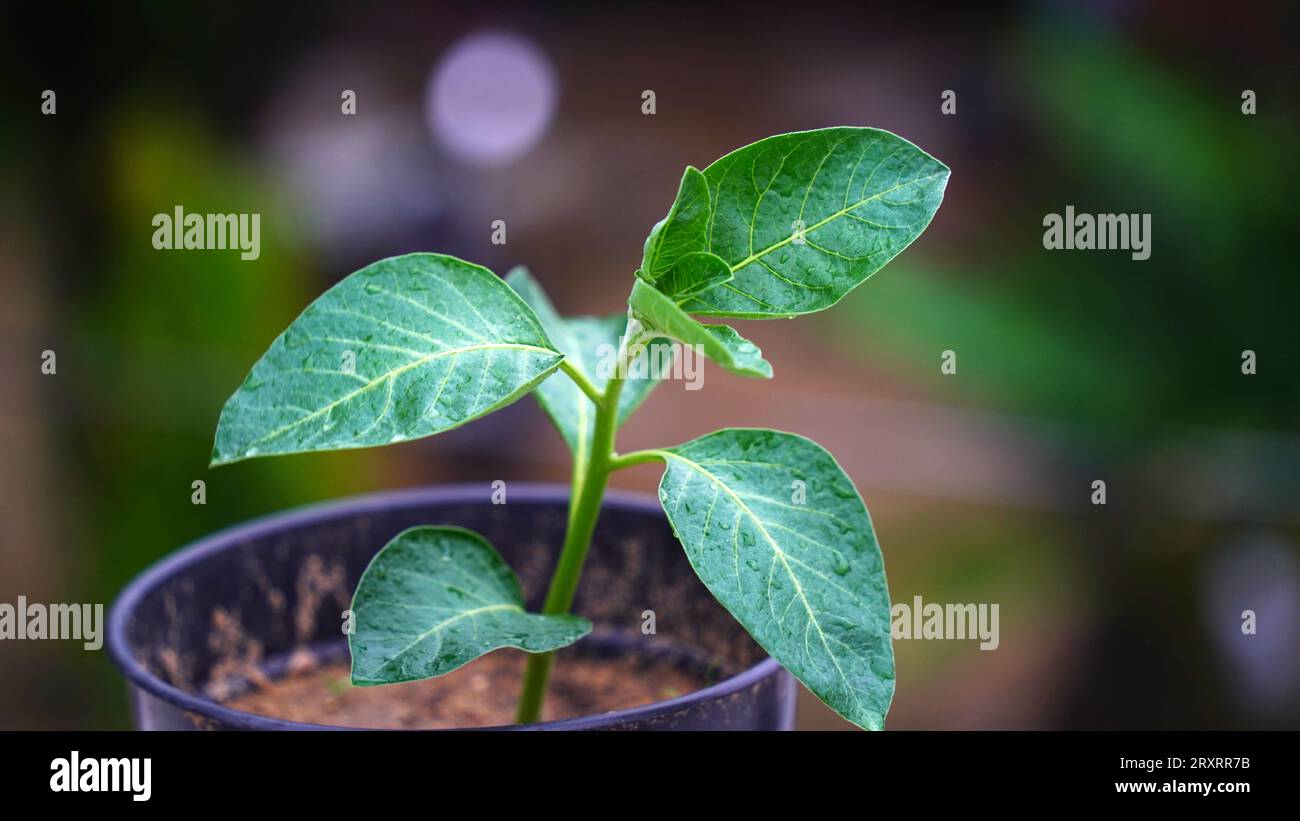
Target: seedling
{"points": [[419, 344]]}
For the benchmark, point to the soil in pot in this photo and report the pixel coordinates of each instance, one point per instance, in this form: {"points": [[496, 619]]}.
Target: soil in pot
{"points": [[480, 694]]}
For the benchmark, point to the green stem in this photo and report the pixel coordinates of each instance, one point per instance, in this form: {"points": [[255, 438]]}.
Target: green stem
{"points": [[584, 508], [636, 457], [580, 379]]}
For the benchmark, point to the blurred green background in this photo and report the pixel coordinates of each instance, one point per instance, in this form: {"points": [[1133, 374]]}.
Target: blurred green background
{"points": [[1071, 366]]}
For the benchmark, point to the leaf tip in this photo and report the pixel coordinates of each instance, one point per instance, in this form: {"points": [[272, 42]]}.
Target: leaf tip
{"points": [[873, 721]]}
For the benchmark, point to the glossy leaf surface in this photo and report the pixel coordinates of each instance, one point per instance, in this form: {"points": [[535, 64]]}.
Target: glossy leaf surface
{"points": [[803, 218], [780, 536], [404, 348], [435, 598]]}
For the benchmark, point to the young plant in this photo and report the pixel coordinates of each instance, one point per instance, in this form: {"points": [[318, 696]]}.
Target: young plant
{"points": [[419, 344]]}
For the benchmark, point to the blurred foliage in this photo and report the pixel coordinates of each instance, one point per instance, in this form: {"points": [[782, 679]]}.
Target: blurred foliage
{"points": [[1133, 350], [167, 336], [160, 339]]}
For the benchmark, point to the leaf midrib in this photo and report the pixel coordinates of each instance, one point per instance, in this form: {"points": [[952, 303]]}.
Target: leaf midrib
{"points": [[440, 626], [758, 255], [415, 363], [779, 553]]}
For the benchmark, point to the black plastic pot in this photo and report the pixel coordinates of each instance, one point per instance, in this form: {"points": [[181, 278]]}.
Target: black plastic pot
{"points": [[257, 594]]}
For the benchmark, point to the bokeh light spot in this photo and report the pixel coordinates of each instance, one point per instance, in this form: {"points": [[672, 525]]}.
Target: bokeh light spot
{"points": [[491, 98]]}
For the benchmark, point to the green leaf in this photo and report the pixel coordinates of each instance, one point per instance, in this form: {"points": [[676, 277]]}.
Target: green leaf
{"points": [[803, 575], [404, 348], [661, 315], [683, 231], [591, 344], [694, 272], [438, 597], [860, 195]]}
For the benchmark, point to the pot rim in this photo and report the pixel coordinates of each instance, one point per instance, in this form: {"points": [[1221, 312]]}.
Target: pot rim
{"points": [[179, 561]]}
